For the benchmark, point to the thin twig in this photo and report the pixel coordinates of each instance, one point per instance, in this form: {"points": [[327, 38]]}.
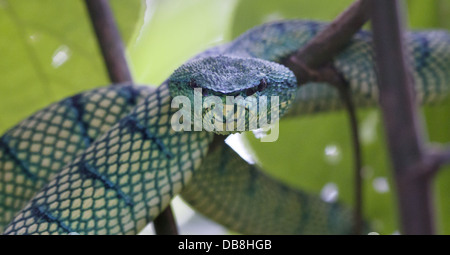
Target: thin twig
{"points": [[113, 52], [401, 121], [343, 88], [165, 224], [441, 156], [346, 98], [358, 161], [307, 61], [313, 63], [109, 40]]}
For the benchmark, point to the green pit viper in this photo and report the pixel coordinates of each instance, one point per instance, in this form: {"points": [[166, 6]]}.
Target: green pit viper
{"points": [[107, 161]]}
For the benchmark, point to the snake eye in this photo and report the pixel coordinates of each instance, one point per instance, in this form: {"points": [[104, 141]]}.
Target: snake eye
{"points": [[250, 91], [262, 85], [193, 84]]}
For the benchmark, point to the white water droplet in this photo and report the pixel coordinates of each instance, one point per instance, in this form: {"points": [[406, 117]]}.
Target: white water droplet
{"points": [[332, 154], [60, 56], [273, 17], [329, 192], [373, 233], [217, 40], [380, 184], [34, 37]]}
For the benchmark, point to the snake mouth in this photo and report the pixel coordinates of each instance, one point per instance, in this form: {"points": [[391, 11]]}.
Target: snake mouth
{"points": [[251, 91], [240, 117]]}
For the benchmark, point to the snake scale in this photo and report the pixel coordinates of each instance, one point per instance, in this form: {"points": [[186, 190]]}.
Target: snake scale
{"points": [[107, 161]]}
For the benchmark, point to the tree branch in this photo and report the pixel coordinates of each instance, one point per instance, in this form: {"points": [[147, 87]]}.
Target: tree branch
{"points": [[346, 98], [109, 40], [113, 52], [165, 224], [312, 63], [401, 121], [309, 61], [441, 157]]}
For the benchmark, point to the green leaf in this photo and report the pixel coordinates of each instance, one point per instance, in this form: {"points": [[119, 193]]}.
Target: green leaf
{"points": [[423, 14], [49, 51], [250, 13]]}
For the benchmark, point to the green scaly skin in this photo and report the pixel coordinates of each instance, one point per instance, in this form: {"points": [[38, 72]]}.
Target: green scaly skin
{"points": [[105, 190], [244, 199], [35, 150], [123, 180]]}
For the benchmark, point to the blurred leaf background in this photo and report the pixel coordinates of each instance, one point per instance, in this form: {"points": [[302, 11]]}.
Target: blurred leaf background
{"points": [[48, 51]]}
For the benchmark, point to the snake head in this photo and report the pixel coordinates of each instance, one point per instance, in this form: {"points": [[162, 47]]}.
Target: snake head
{"points": [[232, 94]]}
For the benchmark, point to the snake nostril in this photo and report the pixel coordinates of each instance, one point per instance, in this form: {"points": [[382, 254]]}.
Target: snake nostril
{"points": [[193, 84], [291, 84]]}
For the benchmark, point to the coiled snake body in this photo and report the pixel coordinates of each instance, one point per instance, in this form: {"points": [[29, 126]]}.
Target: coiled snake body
{"points": [[107, 161]]}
